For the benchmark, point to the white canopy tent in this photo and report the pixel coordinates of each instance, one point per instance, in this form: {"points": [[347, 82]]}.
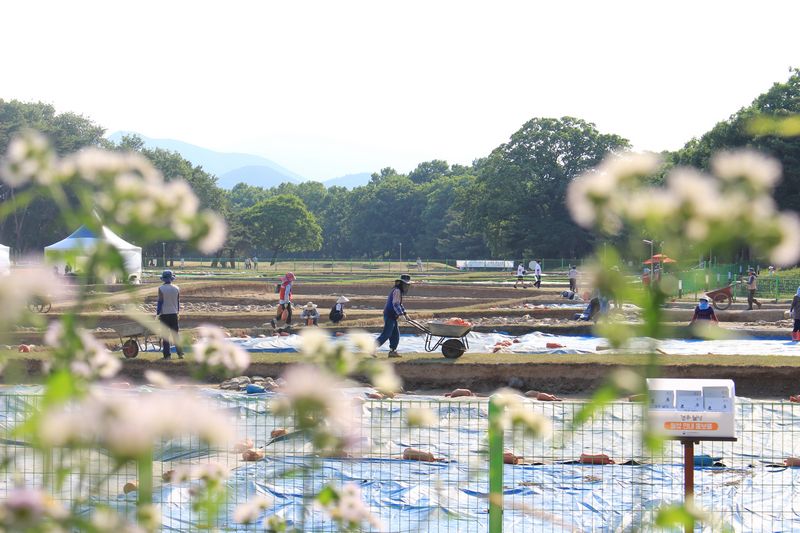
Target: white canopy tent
{"points": [[5, 259], [83, 239]]}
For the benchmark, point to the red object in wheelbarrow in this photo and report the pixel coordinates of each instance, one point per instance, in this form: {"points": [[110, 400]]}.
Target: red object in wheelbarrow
{"points": [[452, 338]]}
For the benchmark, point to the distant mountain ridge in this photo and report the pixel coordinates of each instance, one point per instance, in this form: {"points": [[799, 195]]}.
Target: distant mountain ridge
{"points": [[233, 168]]}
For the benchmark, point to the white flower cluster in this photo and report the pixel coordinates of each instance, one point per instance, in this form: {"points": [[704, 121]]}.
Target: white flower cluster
{"points": [[213, 350], [91, 359], [23, 287], [27, 509], [315, 399], [107, 520], [349, 509], [518, 413], [248, 512], [210, 473], [421, 417], [734, 205], [128, 426], [128, 189]]}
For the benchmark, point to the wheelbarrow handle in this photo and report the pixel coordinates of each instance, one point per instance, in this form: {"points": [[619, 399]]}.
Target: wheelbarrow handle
{"points": [[417, 325]]}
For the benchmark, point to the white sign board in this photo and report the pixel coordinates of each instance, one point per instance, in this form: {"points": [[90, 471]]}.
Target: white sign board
{"points": [[462, 264], [701, 408]]}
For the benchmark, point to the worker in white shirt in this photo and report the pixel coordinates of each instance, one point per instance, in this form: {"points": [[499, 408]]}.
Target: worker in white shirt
{"points": [[573, 278], [520, 276]]}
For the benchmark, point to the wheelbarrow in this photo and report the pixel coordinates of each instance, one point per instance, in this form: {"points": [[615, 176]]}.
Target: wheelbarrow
{"points": [[451, 338], [721, 298], [134, 337]]}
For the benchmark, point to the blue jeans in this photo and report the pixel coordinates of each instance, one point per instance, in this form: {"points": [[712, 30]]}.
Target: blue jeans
{"points": [[391, 332]]}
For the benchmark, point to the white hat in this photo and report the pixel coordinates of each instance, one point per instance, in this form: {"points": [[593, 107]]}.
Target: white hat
{"points": [[342, 300], [311, 305]]}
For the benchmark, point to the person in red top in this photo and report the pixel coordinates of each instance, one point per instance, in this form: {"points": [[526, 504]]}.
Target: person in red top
{"points": [[285, 299], [704, 311]]}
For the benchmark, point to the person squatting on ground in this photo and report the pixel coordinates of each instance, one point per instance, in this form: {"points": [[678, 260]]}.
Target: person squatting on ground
{"points": [[573, 278], [167, 310], [794, 312], [310, 315], [752, 286], [391, 312], [520, 276], [704, 311], [337, 313], [285, 300]]}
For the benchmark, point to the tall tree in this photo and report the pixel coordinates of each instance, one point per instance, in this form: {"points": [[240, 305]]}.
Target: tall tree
{"points": [[518, 198], [282, 224]]}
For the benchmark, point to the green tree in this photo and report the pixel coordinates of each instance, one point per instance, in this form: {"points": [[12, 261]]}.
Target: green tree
{"points": [[282, 224], [429, 171], [517, 201]]}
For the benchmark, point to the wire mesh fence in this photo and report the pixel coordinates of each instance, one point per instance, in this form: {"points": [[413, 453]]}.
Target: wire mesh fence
{"points": [[594, 477]]}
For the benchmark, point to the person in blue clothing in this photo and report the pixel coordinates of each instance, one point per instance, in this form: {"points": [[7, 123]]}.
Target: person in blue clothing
{"points": [[391, 312], [704, 311], [167, 310]]}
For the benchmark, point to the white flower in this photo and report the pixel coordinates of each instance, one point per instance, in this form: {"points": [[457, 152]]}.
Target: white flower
{"points": [[630, 165], [29, 158], [159, 379], [787, 252], [420, 417], [313, 342], [761, 171], [248, 512], [213, 349], [651, 203], [209, 472], [350, 509], [384, 378], [362, 341], [215, 234]]}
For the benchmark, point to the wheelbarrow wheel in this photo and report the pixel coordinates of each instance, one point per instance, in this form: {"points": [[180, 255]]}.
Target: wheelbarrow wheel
{"points": [[130, 348], [453, 348], [722, 301]]}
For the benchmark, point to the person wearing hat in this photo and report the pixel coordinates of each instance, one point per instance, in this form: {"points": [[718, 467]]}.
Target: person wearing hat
{"points": [[794, 312], [573, 278], [337, 311], [310, 314], [704, 311], [167, 309], [284, 300], [752, 286], [391, 312]]}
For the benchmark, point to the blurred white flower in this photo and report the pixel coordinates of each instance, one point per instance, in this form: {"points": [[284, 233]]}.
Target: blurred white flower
{"points": [[630, 165], [384, 378], [23, 287], [89, 357], [215, 232], [213, 349], [159, 379], [128, 426], [313, 342], [651, 202], [421, 417], [24, 507], [248, 512], [350, 509], [362, 341], [28, 159], [762, 172], [696, 189], [212, 472], [532, 423], [787, 252]]}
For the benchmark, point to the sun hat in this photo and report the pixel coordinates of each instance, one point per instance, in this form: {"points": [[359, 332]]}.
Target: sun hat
{"points": [[342, 300], [167, 275], [705, 298], [311, 305], [405, 278], [289, 276]]}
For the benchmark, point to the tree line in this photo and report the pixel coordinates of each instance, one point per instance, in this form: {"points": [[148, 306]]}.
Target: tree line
{"points": [[508, 204]]}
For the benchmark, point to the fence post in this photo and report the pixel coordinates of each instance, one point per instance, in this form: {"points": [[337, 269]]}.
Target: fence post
{"points": [[144, 493], [495, 466]]}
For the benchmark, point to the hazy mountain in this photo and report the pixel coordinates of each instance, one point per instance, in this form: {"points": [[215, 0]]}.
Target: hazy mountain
{"points": [[222, 164], [258, 175], [350, 180]]}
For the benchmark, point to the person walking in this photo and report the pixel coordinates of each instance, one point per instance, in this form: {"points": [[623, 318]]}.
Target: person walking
{"points": [[794, 312], [284, 300], [167, 309], [337, 313], [419, 264], [391, 312], [520, 276], [752, 287], [537, 273], [573, 278], [310, 315], [704, 311]]}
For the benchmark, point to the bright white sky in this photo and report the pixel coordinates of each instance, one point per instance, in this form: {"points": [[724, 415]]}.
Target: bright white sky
{"points": [[329, 88]]}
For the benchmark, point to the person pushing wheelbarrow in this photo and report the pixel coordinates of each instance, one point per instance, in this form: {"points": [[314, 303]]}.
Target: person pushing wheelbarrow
{"points": [[392, 311]]}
